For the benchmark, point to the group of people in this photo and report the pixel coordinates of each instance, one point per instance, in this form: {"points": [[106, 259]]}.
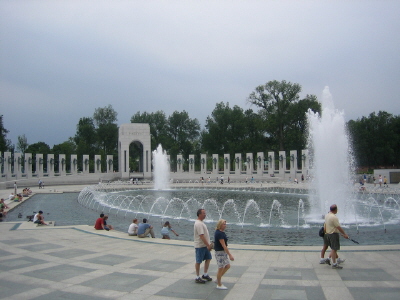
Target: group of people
{"points": [[141, 230], [203, 246], [15, 197], [101, 223], [223, 257]]}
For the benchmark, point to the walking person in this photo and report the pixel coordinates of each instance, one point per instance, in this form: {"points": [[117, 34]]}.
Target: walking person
{"points": [[385, 181], [202, 246], [222, 252], [332, 230], [324, 260]]}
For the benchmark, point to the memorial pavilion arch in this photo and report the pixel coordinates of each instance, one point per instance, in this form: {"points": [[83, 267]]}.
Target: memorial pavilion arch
{"points": [[134, 135]]}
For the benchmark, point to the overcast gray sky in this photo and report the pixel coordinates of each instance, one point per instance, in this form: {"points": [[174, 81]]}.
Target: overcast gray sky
{"points": [[60, 60]]}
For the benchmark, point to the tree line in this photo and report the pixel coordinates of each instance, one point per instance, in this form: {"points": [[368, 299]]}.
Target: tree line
{"points": [[278, 122]]}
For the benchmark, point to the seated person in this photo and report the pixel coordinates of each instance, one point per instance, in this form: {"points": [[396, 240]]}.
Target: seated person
{"points": [[11, 197], [39, 219], [132, 230], [3, 204], [107, 227], [144, 229], [2, 213], [99, 225], [165, 231]]}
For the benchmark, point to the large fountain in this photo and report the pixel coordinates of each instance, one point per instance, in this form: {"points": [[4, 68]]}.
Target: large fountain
{"points": [[332, 161], [265, 212], [161, 169]]}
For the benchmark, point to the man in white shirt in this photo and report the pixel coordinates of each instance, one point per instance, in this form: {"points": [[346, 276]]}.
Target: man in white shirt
{"points": [[202, 247], [39, 219]]}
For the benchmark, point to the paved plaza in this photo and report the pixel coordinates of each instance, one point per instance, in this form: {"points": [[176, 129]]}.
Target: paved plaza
{"points": [[78, 262]]}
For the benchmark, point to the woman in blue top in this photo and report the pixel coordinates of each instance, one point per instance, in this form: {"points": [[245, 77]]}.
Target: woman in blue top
{"points": [[166, 229], [221, 252]]}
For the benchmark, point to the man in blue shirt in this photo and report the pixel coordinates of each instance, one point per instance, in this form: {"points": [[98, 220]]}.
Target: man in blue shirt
{"points": [[144, 229]]}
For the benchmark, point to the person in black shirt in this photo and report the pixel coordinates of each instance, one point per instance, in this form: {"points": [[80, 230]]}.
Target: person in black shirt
{"points": [[221, 252]]}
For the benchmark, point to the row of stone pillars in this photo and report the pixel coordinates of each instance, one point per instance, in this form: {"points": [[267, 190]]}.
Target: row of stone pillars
{"points": [[19, 166], [276, 163]]}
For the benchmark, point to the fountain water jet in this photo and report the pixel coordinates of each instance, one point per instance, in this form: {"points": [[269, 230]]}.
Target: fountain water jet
{"points": [[331, 160], [161, 169]]}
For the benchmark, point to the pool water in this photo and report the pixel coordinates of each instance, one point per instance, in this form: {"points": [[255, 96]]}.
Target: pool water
{"points": [[64, 209]]}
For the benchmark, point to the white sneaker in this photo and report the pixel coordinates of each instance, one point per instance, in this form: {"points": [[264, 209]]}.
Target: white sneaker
{"points": [[221, 287], [339, 260]]}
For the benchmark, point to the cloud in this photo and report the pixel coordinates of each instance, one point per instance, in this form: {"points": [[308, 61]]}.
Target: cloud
{"points": [[74, 56]]}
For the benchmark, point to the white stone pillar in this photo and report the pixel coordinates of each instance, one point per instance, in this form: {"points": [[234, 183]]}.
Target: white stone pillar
{"points": [[97, 163], [17, 165], [238, 163], [62, 165], [74, 164], [85, 164], [1, 166], [39, 165], [305, 163], [191, 163], [215, 164], [179, 163], [227, 164], [28, 165], [293, 164], [110, 163], [50, 165], [203, 164], [249, 164], [282, 163], [271, 163], [7, 164], [260, 163]]}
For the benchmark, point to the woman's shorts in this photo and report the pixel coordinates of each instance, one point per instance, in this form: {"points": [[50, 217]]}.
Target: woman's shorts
{"points": [[222, 259], [202, 254]]}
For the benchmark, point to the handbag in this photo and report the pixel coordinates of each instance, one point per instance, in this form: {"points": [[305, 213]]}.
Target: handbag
{"points": [[321, 232]]}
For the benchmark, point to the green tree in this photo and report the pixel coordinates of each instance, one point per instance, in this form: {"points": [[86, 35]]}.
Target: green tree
{"points": [[277, 102], [39, 148], [22, 143], [85, 139], [5, 144], [376, 139], [107, 130], [232, 130], [182, 132], [68, 148]]}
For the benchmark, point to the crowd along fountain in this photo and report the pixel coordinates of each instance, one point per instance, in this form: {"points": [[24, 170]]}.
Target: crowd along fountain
{"points": [[274, 214]]}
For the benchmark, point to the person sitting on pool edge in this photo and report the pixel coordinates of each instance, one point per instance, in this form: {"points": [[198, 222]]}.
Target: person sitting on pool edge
{"points": [[166, 229], [99, 225], [144, 229], [133, 228], [39, 219], [107, 227]]}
